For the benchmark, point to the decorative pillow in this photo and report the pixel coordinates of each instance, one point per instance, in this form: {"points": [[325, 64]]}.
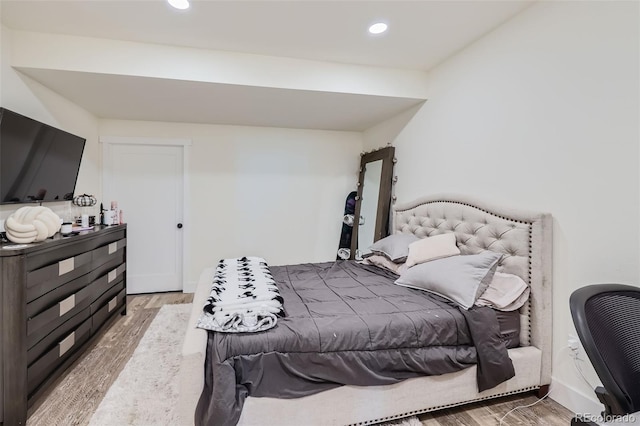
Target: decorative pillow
{"points": [[506, 292], [432, 248], [395, 247], [461, 279], [29, 224], [383, 262]]}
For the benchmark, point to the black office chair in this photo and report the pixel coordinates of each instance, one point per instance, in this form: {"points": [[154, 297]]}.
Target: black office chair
{"points": [[607, 319]]}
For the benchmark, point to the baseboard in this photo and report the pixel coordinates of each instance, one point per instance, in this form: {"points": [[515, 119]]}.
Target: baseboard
{"points": [[573, 399], [189, 287]]}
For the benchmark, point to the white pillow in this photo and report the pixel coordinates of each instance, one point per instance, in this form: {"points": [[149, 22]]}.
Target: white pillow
{"points": [[432, 248], [461, 279], [506, 292]]}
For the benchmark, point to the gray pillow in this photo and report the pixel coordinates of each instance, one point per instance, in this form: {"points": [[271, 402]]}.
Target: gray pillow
{"points": [[395, 247], [461, 279]]}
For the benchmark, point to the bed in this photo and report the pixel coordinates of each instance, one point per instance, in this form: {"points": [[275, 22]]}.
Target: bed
{"points": [[524, 240]]}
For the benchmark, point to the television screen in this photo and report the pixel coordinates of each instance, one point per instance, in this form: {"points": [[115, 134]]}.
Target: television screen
{"points": [[38, 162]]}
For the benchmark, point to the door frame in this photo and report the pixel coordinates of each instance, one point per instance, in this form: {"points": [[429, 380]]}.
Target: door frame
{"points": [[185, 144]]}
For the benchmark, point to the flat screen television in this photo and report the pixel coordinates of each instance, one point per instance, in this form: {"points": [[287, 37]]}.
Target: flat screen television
{"points": [[38, 162]]}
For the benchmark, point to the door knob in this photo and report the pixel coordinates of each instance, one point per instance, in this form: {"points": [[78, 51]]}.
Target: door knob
{"points": [[179, 226]]}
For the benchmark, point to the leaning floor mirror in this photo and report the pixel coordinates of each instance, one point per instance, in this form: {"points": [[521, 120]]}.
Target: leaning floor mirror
{"points": [[373, 201]]}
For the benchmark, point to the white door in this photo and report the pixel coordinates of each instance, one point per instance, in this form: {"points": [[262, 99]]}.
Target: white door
{"points": [[147, 181]]}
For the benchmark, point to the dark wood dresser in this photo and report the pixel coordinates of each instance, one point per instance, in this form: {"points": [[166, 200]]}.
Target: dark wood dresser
{"points": [[54, 297]]}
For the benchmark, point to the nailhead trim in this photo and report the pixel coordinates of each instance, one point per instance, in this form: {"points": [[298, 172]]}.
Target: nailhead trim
{"points": [[528, 304], [441, 407], [468, 205]]}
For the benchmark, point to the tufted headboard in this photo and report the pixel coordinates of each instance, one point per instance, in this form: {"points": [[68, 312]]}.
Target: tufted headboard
{"points": [[524, 238]]}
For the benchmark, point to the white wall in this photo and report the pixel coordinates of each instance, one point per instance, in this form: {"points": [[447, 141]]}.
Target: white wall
{"points": [[275, 193], [541, 114], [25, 96]]}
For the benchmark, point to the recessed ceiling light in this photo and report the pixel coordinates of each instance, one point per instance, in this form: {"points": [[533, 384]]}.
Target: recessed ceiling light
{"points": [[378, 28], [179, 4]]}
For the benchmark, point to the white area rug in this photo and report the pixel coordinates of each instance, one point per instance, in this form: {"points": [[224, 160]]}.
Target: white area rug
{"points": [[146, 391]]}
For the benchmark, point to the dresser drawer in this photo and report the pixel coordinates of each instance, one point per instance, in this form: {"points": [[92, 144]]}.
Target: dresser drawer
{"points": [[107, 296], [46, 321], [54, 296], [106, 252], [34, 352], [116, 260], [111, 237], [62, 349], [102, 314], [43, 280], [108, 279], [69, 249]]}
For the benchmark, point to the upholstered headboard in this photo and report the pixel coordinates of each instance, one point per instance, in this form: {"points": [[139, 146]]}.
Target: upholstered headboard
{"points": [[524, 238]]}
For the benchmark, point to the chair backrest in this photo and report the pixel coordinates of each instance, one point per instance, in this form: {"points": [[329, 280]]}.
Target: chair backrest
{"points": [[607, 319]]}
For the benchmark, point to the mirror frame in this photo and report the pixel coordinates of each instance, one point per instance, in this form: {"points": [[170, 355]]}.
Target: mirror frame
{"points": [[381, 229]]}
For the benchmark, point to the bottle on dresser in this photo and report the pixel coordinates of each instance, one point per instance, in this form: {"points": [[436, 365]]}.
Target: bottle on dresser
{"points": [[115, 214]]}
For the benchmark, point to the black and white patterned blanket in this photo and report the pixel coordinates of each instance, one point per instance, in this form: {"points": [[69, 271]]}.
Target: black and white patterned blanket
{"points": [[244, 297]]}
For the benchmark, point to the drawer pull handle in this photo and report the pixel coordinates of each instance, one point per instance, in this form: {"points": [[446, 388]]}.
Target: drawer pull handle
{"points": [[65, 266], [112, 275], [113, 247], [113, 303], [66, 344], [67, 304]]}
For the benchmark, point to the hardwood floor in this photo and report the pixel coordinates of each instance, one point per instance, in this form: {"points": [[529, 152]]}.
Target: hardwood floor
{"points": [[78, 393], [546, 412]]}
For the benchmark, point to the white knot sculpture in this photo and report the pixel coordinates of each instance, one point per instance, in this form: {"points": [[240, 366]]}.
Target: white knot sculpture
{"points": [[29, 224]]}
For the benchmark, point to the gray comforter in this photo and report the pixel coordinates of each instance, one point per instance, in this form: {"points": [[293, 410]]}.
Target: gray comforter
{"points": [[347, 323]]}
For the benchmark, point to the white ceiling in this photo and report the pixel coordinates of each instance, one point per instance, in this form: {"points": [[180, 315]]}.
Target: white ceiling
{"points": [[421, 34]]}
